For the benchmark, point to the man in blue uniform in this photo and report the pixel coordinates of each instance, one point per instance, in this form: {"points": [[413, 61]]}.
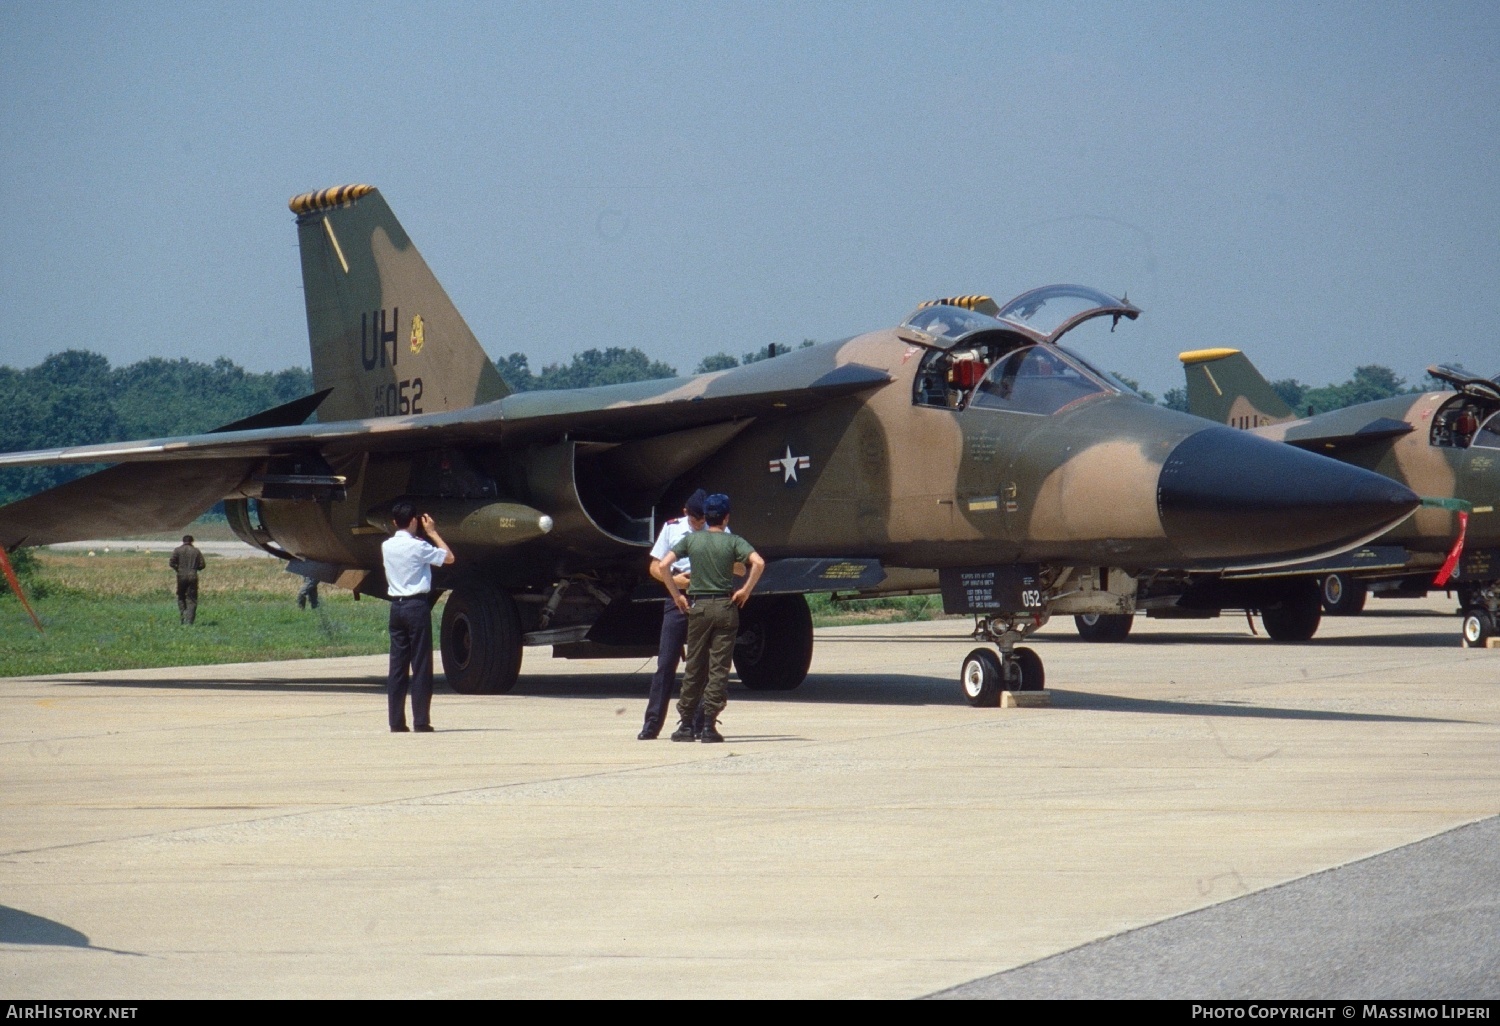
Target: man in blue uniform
{"points": [[673, 620], [713, 614], [408, 581]]}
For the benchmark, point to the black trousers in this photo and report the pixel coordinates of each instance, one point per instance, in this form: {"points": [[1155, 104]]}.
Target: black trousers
{"points": [[411, 661], [187, 598], [668, 655]]}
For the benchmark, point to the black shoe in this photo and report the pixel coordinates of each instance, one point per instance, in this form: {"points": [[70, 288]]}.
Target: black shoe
{"points": [[426, 728], [684, 733], [403, 729], [647, 734], [710, 735]]}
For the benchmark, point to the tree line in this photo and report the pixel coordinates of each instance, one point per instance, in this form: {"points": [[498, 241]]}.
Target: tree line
{"points": [[77, 398]]}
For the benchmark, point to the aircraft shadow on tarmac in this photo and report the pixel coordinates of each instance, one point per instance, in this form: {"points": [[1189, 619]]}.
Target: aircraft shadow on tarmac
{"points": [[1447, 639], [1064, 635], [17, 927], [1176, 707], [817, 689]]}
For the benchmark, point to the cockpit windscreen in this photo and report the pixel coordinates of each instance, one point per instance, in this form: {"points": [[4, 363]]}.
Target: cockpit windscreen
{"points": [[1037, 379]]}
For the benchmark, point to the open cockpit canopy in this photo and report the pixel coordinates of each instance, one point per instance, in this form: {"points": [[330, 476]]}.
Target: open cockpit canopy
{"points": [[1041, 315], [1486, 390], [1012, 349], [1053, 310]]}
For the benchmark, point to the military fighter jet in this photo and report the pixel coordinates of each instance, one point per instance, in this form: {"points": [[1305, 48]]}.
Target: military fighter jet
{"points": [[1444, 444], [964, 441]]}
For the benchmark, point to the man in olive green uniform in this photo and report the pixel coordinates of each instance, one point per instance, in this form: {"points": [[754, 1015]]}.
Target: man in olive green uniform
{"points": [[712, 606], [187, 561]]}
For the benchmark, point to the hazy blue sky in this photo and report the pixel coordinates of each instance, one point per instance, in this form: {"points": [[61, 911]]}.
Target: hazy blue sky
{"points": [[1313, 183]]}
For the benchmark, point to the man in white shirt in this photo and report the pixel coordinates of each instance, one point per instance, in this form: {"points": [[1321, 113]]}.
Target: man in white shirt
{"points": [[408, 581], [673, 620]]}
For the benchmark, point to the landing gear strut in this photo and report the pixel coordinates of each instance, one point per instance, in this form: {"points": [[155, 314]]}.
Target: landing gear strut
{"points": [[984, 674]]}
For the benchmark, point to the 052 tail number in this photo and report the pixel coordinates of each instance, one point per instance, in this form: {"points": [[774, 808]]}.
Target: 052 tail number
{"points": [[398, 398]]}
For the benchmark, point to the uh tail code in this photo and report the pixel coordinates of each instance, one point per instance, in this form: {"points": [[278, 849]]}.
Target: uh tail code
{"points": [[377, 348]]}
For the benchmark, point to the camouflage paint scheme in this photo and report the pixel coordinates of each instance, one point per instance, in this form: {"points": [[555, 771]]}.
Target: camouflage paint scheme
{"points": [[1443, 445], [1394, 437], [854, 449]]}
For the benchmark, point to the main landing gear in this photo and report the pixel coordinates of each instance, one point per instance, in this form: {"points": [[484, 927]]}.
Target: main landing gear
{"points": [[774, 646], [480, 640], [1343, 595], [985, 674]]}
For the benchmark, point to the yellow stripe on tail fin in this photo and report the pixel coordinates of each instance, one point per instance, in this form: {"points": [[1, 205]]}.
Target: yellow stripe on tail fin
{"points": [[384, 335], [1224, 386]]}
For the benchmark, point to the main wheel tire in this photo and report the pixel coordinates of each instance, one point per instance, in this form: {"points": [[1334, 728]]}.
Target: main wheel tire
{"points": [[1103, 626], [1343, 595], [480, 641], [774, 647], [981, 678], [1029, 665], [1479, 626], [1298, 615]]}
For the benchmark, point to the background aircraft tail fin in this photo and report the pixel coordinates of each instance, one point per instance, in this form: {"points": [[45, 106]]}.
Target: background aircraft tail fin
{"points": [[1224, 386], [385, 336]]}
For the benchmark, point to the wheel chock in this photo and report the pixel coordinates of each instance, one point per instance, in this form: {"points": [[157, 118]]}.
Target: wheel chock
{"points": [[1025, 699]]}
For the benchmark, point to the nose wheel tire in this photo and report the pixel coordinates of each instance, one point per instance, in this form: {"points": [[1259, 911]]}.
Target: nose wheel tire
{"points": [[1030, 675], [1342, 595], [1479, 627], [984, 675], [981, 678], [1103, 626]]}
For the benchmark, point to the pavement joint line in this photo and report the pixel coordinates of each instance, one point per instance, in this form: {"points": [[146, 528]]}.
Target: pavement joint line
{"points": [[545, 955], [1259, 891], [416, 799], [992, 723]]}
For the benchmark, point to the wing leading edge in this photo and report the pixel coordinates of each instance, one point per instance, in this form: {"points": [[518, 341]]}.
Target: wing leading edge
{"points": [[608, 413]]}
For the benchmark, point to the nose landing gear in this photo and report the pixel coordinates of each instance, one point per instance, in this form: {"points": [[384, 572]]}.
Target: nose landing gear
{"points": [[984, 674], [1481, 613]]}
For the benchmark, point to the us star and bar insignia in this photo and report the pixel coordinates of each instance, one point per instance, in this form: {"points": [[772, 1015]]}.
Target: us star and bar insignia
{"points": [[788, 465]]}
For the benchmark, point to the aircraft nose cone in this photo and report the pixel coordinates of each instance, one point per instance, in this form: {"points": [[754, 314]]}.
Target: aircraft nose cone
{"points": [[1230, 498]]}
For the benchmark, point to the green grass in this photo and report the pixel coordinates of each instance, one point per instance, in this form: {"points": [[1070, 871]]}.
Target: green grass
{"points": [[826, 612], [118, 611], [85, 633]]}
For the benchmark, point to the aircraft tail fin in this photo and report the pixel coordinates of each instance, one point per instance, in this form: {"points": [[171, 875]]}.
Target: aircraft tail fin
{"points": [[1224, 386], [385, 337]]}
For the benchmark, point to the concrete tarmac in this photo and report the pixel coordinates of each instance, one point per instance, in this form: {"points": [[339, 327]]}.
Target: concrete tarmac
{"points": [[254, 831]]}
